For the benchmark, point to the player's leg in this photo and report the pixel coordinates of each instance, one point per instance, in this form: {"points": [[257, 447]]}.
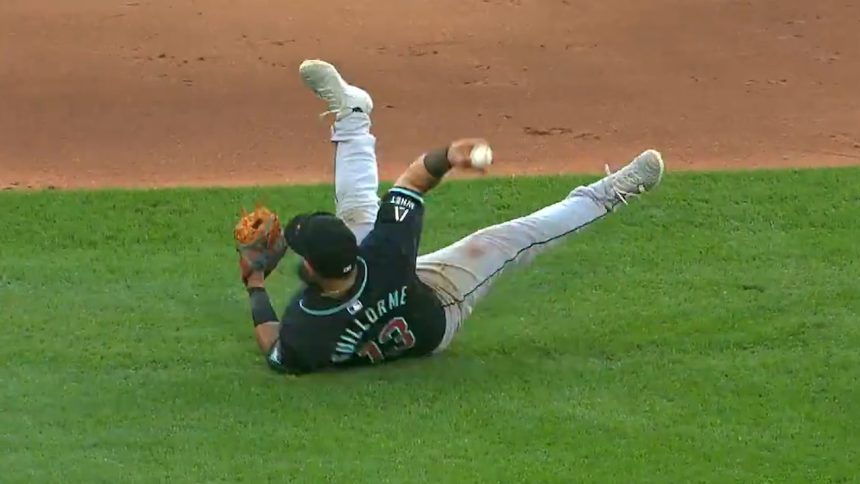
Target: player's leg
{"points": [[355, 169], [355, 173], [463, 272]]}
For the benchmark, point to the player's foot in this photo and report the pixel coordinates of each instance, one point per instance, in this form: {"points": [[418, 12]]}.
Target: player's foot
{"points": [[639, 176], [341, 97]]}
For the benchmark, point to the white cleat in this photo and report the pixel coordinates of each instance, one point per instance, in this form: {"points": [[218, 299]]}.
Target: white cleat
{"points": [[639, 176], [341, 97]]}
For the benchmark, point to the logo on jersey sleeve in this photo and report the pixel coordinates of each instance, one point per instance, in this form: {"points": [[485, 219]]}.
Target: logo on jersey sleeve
{"points": [[402, 205], [400, 213], [275, 355]]}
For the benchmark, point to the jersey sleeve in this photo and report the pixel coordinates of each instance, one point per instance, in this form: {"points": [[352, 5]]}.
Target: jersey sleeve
{"points": [[397, 232], [283, 359]]}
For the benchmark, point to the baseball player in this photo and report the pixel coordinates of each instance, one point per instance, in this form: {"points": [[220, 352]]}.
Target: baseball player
{"points": [[369, 298]]}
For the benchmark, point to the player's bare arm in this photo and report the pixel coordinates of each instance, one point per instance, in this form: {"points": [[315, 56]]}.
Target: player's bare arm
{"points": [[428, 169]]}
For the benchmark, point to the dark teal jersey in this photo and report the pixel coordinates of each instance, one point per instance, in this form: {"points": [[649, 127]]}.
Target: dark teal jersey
{"points": [[389, 314]]}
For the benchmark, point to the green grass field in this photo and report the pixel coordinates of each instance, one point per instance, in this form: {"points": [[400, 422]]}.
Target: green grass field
{"points": [[707, 333]]}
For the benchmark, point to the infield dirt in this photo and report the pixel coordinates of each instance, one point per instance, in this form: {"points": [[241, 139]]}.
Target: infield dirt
{"points": [[98, 93]]}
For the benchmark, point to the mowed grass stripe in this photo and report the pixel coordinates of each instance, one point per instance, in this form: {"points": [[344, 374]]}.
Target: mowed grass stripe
{"points": [[706, 333]]}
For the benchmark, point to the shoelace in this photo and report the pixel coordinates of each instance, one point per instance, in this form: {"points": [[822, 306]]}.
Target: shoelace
{"points": [[622, 195], [325, 94]]}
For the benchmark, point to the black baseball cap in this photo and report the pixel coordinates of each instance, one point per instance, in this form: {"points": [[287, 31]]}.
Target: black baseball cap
{"points": [[324, 241]]}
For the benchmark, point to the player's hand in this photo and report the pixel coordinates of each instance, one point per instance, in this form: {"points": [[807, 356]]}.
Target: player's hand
{"points": [[460, 153], [259, 241], [250, 277]]}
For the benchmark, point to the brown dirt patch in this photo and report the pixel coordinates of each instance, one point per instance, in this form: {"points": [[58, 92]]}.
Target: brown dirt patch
{"points": [[142, 92]]}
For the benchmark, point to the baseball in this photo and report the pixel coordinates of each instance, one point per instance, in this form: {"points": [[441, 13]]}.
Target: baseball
{"points": [[481, 155]]}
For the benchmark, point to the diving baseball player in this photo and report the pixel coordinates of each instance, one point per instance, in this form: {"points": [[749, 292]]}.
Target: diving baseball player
{"points": [[369, 297]]}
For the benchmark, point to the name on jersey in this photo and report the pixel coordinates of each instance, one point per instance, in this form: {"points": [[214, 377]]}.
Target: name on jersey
{"points": [[363, 319]]}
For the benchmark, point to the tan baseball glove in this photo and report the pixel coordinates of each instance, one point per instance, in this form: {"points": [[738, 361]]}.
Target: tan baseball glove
{"points": [[259, 241]]}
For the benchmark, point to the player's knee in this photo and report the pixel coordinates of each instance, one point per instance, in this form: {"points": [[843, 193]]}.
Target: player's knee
{"points": [[357, 214], [350, 199]]}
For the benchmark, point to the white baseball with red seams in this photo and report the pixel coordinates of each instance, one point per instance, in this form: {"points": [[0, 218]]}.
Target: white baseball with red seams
{"points": [[481, 156]]}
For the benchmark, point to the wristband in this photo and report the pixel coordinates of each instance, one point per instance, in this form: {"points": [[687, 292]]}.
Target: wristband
{"points": [[436, 162], [261, 307]]}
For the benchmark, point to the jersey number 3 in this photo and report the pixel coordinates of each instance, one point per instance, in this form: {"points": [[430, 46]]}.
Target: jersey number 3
{"points": [[397, 332]]}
